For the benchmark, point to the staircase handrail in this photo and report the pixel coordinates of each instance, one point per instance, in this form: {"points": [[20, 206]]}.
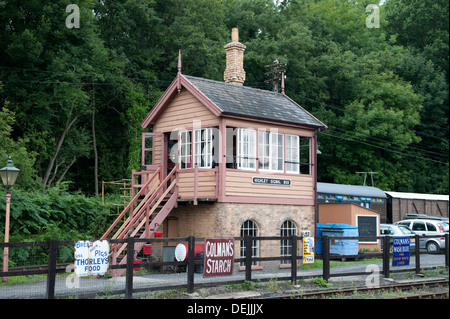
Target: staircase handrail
{"points": [[131, 220], [145, 203], [142, 222], [130, 204]]}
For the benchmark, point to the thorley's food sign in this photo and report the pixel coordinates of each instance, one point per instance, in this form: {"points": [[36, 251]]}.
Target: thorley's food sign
{"points": [[91, 258], [219, 257]]}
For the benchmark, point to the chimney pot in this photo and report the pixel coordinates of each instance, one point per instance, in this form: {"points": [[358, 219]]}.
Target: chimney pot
{"points": [[234, 70], [235, 35]]}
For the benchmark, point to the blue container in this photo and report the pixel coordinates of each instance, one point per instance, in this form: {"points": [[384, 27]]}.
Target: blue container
{"points": [[342, 246], [319, 243]]}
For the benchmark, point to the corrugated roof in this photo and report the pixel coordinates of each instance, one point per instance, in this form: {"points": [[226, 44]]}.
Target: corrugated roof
{"points": [[418, 196], [254, 103], [352, 190]]}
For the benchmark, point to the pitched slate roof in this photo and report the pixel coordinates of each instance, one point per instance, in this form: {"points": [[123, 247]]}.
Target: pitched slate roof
{"points": [[248, 102]]}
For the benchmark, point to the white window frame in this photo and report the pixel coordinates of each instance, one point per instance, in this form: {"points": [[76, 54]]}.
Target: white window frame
{"points": [[292, 154], [263, 150], [185, 149], [246, 149], [274, 158], [250, 227], [288, 228], [275, 149], [203, 146]]}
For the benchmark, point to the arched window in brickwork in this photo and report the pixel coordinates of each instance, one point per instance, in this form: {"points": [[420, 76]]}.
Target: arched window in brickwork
{"points": [[250, 228], [288, 229]]}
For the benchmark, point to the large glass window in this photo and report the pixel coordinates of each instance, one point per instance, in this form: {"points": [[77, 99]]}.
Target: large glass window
{"points": [[197, 149], [305, 155], [185, 149], [271, 151], [277, 152], [203, 147], [246, 150], [263, 149], [292, 154]]}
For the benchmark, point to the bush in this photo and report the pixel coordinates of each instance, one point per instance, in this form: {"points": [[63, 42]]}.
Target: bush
{"points": [[53, 214]]}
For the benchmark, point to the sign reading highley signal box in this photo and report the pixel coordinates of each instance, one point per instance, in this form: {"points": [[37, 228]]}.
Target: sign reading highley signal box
{"points": [[219, 257]]}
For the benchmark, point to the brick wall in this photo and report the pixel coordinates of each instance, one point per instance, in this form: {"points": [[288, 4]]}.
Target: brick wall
{"points": [[226, 219]]}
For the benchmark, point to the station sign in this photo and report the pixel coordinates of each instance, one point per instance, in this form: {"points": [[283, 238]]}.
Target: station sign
{"points": [[271, 181], [219, 257], [91, 258], [401, 251]]}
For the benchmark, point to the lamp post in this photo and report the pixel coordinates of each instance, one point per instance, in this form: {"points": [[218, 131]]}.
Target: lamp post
{"points": [[9, 175]]}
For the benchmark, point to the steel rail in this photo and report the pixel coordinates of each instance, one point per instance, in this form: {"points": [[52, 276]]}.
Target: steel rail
{"points": [[365, 290]]}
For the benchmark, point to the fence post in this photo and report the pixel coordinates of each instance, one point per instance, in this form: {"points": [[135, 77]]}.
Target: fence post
{"points": [[326, 257], [51, 275], [191, 264], [129, 273], [248, 257], [386, 253], [294, 260], [417, 253]]}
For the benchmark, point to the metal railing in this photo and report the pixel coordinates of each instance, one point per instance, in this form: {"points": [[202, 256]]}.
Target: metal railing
{"points": [[53, 268]]}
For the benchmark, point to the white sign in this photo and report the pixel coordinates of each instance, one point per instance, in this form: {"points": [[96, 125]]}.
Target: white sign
{"points": [[91, 258], [308, 250]]}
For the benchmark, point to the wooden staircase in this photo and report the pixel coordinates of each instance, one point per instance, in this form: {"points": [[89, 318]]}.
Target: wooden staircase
{"points": [[154, 201]]}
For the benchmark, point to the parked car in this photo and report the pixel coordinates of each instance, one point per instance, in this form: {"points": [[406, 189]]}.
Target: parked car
{"points": [[426, 227], [397, 231], [445, 226], [424, 216]]}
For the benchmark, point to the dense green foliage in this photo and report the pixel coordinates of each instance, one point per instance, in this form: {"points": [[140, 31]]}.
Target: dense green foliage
{"points": [[72, 100], [54, 214]]}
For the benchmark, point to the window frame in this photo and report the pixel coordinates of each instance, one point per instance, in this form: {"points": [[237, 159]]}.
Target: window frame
{"points": [[203, 147], [185, 150], [288, 228], [272, 140], [246, 149], [249, 227], [291, 159]]}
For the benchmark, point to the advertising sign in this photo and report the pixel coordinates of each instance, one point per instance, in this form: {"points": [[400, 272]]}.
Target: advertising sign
{"points": [[308, 250], [219, 257], [91, 258], [401, 251]]}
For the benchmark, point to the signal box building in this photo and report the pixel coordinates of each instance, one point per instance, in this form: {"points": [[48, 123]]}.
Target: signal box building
{"points": [[224, 160]]}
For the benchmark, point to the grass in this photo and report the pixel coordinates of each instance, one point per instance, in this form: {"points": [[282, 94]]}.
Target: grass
{"points": [[318, 263]]}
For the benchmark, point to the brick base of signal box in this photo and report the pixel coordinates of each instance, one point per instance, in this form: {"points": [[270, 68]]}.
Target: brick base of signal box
{"points": [[212, 219]]}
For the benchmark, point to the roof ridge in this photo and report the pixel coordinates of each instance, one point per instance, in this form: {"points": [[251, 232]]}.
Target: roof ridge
{"points": [[234, 85]]}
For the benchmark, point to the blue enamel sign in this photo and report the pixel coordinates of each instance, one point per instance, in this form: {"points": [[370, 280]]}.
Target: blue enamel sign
{"points": [[401, 251]]}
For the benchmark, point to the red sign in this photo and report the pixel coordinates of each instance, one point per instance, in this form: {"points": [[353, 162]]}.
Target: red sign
{"points": [[219, 257]]}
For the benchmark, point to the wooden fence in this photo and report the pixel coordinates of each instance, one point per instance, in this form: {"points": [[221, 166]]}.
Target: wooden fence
{"points": [[52, 269]]}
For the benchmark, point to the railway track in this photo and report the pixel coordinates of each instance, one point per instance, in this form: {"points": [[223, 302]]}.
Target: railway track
{"points": [[421, 290]]}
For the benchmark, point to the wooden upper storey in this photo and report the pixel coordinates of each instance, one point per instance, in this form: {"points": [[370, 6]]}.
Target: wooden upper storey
{"points": [[230, 147]]}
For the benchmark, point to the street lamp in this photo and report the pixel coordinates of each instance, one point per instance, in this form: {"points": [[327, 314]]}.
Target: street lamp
{"points": [[9, 176]]}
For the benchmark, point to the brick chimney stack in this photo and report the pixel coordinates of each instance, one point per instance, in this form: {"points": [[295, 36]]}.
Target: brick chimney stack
{"points": [[234, 71]]}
